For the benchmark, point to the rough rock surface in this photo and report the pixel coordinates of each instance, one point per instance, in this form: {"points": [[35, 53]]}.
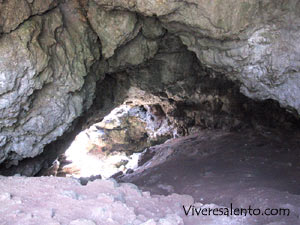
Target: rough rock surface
{"points": [[46, 80], [108, 147], [191, 95], [114, 28], [257, 169], [53, 52], [254, 42], [15, 12], [24, 201], [253, 169]]}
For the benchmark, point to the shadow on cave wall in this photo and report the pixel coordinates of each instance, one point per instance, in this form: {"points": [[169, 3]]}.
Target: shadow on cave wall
{"points": [[193, 98]]}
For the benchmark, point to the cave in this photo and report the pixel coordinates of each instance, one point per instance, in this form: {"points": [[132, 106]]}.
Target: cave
{"points": [[149, 112]]}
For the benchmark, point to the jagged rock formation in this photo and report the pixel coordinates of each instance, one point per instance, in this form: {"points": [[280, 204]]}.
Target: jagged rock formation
{"points": [[108, 147], [47, 78], [53, 53], [14, 13], [254, 42], [253, 171]]}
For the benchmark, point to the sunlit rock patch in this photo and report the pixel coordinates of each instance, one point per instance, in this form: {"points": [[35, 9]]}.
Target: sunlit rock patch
{"points": [[113, 145]]}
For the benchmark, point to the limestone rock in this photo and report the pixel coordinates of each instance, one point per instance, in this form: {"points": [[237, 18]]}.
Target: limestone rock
{"points": [[108, 147], [252, 42], [50, 59], [44, 65], [114, 28], [134, 53], [152, 28], [15, 12]]}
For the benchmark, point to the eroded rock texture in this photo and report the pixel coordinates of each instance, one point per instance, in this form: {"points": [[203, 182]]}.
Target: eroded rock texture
{"points": [[46, 79], [112, 145], [15, 12], [191, 57], [254, 42]]}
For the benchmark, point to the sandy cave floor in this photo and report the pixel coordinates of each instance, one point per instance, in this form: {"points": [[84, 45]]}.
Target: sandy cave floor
{"points": [[215, 168]]}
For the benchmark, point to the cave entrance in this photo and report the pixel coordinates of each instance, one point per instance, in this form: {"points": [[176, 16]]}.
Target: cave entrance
{"points": [[238, 146], [112, 146], [228, 148]]}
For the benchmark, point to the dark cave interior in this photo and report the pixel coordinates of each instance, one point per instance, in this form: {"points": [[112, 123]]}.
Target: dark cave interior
{"points": [[137, 108], [227, 147], [197, 99]]}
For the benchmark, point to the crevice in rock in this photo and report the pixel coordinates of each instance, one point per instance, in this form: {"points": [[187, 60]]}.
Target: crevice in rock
{"points": [[51, 8], [192, 97], [172, 96]]}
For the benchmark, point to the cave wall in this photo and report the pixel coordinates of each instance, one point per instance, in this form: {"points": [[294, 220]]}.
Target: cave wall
{"points": [[47, 77], [254, 42], [53, 53]]}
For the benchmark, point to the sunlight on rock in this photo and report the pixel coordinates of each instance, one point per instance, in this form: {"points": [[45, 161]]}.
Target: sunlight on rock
{"points": [[114, 144]]}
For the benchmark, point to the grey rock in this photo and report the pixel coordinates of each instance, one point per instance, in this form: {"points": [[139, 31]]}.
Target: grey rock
{"points": [[43, 86], [114, 28], [152, 28], [253, 42], [50, 58], [134, 53], [15, 12], [117, 175], [85, 180], [3, 140]]}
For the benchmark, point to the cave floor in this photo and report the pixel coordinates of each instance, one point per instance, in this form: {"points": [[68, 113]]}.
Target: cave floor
{"points": [[242, 169], [218, 169]]}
